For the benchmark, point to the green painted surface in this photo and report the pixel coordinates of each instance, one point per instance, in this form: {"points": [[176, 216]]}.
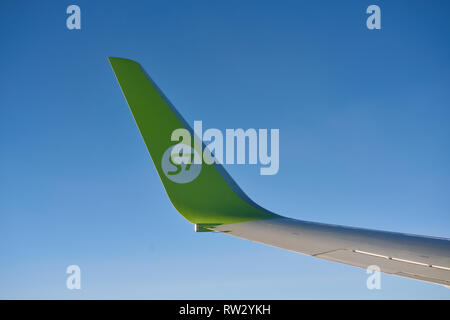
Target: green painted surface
{"points": [[208, 199]]}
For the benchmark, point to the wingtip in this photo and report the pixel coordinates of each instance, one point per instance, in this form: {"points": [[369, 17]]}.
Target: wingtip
{"points": [[113, 60]]}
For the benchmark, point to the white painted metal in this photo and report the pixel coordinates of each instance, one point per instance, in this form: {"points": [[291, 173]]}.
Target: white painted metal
{"points": [[418, 257]]}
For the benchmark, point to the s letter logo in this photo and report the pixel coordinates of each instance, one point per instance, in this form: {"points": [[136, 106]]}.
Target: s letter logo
{"points": [[181, 163]]}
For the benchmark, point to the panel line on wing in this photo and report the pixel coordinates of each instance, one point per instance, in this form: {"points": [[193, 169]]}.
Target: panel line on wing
{"points": [[401, 260]]}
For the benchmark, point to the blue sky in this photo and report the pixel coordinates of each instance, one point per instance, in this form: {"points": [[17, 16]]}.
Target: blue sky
{"points": [[364, 141]]}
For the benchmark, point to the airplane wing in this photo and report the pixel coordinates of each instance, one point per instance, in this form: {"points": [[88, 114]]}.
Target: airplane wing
{"points": [[212, 200]]}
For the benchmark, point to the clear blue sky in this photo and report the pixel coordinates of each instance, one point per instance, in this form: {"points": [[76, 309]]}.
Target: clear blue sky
{"points": [[364, 141]]}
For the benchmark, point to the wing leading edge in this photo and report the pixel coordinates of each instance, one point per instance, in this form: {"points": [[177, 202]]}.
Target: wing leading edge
{"points": [[213, 201]]}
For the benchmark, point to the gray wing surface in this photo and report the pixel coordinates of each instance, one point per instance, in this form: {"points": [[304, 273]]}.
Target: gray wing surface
{"points": [[418, 257]]}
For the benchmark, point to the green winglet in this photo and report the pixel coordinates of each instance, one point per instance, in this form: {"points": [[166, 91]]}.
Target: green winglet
{"points": [[212, 197]]}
